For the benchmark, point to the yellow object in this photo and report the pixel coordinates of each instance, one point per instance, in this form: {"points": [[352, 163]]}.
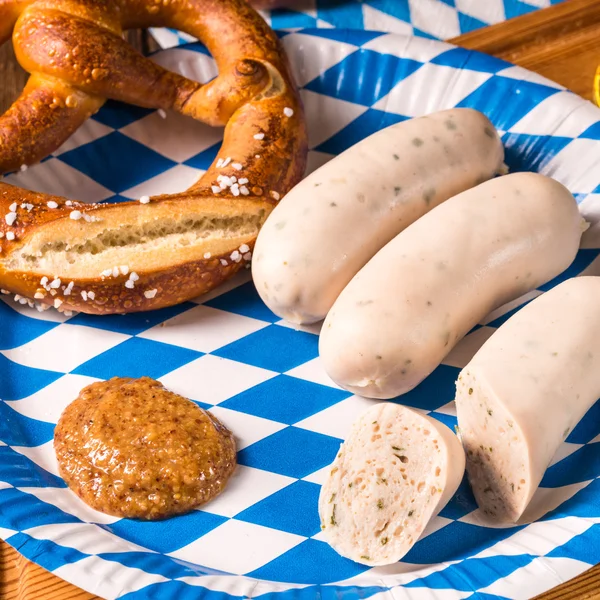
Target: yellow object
{"points": [[597, 87]]}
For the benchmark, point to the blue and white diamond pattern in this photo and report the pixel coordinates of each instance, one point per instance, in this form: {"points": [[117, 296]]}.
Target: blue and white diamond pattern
{"points": [[263, 378], [435, 19]]}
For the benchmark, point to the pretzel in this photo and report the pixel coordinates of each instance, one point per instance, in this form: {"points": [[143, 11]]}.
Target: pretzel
{"points": [[160, 251]]}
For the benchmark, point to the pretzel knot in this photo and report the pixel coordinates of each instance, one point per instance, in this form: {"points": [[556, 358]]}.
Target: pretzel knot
{"points": [[135, 256]]}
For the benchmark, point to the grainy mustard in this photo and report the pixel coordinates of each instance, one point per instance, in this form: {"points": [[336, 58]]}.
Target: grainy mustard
{"points": [[131, 448]]}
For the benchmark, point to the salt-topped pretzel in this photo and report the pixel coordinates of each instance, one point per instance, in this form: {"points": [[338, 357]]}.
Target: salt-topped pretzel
{"points": [[134, 256]]}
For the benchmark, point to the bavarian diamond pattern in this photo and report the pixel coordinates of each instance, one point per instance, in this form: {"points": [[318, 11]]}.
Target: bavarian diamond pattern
{"points": [[436, 19], [261, 376]]}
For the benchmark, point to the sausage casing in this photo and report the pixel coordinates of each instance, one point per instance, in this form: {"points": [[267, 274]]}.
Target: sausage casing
{"points": [[525, 390], [405, 310], [336, 219]]}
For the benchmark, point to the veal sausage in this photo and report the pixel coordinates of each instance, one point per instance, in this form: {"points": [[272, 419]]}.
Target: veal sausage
{"points": [[525, 390], [334, 221], [405, 310], [397, 470]]}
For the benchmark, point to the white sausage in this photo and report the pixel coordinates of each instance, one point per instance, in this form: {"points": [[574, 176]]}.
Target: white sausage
{"points": [[525, 390], [405, 310], [396, 471], [334, 221]]}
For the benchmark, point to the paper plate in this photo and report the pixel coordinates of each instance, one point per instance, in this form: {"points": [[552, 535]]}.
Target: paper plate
{"points": [[434, 19], [228, 352]]}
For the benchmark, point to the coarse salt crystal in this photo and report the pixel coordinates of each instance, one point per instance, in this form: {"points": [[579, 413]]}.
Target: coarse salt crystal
{"points": [[288, 112], [115, 271], [84, 295], [219, 163], [23, 168], [10, 218], [223, 262], [150, 293], [1, 234], [216, 189], [10, 236], [53, 292], [68, 203], [57, 302], [259, 136], [44, 281], [106, 273], [237, 166], [226, 161], [13, 207], [207, 255], [124, 269], [244, 248], [39, 295], [55, 284], [244, 190], [162, 114], [52, 204], [224, 181], [91, 295], [236, 256], [69, 288], [134, 276], [248, 256], [235, 190], [275, 195], [75, 215], [257, 156], [145, 200], [129, 284], [242, 180]]}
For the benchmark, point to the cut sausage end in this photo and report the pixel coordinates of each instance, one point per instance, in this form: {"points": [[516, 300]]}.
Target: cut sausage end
{"points": [[496, 450], [396, 470], [525, 390]]}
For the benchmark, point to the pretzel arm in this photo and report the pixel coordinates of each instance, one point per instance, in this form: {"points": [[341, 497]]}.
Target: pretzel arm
{"points": [[115, 70], [223, 27], [95, 60], [53, 109]]}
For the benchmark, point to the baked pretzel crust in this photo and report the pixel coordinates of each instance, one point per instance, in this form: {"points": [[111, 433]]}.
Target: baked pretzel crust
{"points": [[174, 247]]}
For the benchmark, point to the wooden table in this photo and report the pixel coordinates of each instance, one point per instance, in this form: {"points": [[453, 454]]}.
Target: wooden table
{"points": [[561, 43]]}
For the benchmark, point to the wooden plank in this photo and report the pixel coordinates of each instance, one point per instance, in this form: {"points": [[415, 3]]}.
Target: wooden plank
{"points": [[24, 580], [13, 78], [560, 43]]}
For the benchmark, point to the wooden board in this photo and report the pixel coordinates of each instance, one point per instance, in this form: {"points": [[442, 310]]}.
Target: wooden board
{"points": [[561, 43]]}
